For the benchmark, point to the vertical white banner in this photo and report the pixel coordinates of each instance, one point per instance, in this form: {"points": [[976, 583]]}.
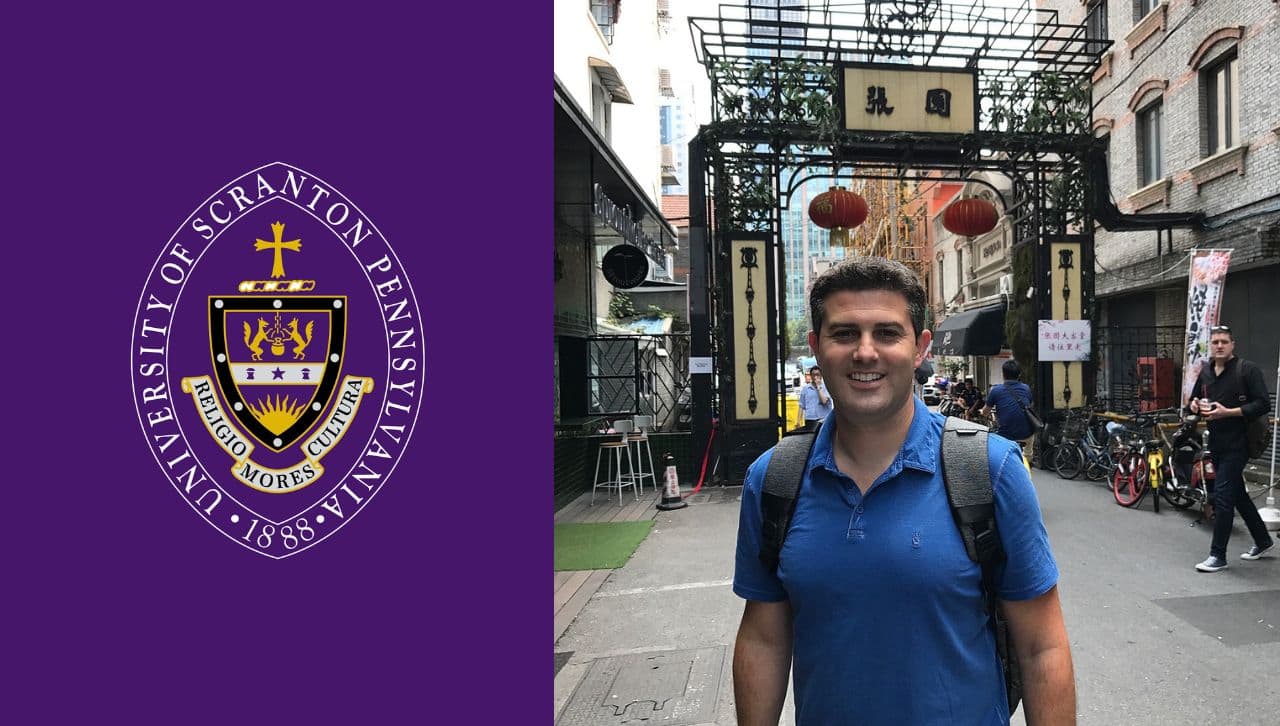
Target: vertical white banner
{"points": [[1204, 298]]}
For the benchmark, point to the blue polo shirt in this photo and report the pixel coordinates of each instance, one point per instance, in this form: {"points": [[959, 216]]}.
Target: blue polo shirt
{"points": [[889, 626]]}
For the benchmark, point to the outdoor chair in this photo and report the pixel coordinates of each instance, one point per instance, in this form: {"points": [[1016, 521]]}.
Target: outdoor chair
{"points": [[611, 454], [643, 456]]}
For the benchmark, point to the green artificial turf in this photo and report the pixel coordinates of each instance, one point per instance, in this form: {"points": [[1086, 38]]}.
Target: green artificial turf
{"points": [[598, 545]]}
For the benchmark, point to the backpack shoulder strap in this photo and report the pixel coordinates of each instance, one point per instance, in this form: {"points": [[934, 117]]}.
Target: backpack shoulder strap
{"points": [[1242, 383], [966, 474], [778, 495]]}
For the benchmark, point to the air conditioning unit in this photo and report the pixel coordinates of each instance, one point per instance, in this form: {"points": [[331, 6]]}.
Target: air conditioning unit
{"points": [[1006, 284]]}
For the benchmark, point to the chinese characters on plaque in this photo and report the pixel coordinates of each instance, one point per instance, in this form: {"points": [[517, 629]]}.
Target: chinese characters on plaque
{"points": [[936, 101], [876, 97], [876, 101], [1065, 340]]}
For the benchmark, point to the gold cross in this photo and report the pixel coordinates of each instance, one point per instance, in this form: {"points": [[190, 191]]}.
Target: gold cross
{"points": [[277, 269]]}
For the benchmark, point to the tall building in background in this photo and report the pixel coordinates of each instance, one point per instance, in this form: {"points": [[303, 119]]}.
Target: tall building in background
{"points": [[771, 24], [803, 244], [677, 124]]}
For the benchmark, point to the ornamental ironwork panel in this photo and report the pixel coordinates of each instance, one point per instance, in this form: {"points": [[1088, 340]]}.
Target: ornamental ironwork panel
{"points": [[639, 375]]}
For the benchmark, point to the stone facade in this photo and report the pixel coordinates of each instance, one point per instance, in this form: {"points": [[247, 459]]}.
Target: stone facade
{"points": [[1162, 57]]}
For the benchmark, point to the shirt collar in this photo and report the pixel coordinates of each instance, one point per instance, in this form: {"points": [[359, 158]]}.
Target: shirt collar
{"points": [[919, 451]]}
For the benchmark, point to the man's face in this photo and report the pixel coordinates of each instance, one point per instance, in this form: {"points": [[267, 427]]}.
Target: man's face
{"points": [[816, 377], [867, 347], [1221, 346]]}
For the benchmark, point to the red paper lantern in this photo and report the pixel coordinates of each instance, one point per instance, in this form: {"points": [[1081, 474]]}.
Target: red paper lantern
{"points": [[838, 210], [970, 217]]}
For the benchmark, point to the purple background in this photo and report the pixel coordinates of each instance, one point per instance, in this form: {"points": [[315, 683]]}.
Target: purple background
{"points": [[121, 604]]}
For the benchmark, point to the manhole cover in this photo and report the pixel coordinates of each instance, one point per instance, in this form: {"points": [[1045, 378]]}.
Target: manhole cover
{"points": [[670, 687]]}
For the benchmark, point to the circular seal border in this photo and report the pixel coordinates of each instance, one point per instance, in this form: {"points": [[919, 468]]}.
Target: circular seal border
{"points": [[242, 525]]}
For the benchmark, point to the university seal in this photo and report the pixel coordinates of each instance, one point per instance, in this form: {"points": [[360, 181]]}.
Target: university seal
{"points": [[277, 360]]}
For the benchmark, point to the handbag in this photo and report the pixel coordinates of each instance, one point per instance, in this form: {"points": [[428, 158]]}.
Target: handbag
{"points": [[1033, 421]]}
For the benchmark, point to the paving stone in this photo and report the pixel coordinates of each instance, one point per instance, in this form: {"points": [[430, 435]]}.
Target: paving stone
{"points": [[671, 688]]}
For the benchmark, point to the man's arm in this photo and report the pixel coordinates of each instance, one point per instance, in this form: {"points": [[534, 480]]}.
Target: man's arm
{"points": [[1044, 654], [762, 662]]}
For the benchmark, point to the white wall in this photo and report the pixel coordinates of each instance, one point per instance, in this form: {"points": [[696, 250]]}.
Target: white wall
{"points": [[635, 54]]}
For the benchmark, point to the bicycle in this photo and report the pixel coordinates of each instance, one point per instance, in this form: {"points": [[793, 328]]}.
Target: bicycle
{"points": [[1076, 450], [1191, 460], [1142, 464], [1096, 453]]}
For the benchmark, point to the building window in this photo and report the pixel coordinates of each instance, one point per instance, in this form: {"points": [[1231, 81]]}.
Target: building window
{"points": [[606, 14], [665, 133], [1222, 104], [1142, 7], [959, 271], [1150, 144], [1096, 25], [601, 108]]}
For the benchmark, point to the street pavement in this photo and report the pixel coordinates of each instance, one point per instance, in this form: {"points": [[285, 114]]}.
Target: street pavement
{"points": [[1154, 641]]}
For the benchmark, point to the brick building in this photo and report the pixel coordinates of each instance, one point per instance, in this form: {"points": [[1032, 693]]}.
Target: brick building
{"points": [[1189, 99]]}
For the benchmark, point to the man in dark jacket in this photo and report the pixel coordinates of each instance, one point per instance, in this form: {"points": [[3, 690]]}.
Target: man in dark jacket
{"points": [[1229, 392]]}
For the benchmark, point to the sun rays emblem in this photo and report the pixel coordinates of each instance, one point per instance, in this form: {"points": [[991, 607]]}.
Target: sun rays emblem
{"points": [[278, 414]]}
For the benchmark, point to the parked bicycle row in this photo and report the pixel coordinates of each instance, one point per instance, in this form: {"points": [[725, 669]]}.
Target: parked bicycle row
{"points": [[1139, 452]]}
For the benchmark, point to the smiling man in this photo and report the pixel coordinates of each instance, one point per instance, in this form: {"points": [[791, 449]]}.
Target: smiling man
{"points": [[874, 606]]}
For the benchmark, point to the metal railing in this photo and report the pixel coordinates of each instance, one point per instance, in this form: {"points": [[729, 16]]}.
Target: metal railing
{"points": [[639, 375]]}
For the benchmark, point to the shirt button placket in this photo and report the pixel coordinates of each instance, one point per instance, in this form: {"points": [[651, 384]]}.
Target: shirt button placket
{"points": [[856, 530]]}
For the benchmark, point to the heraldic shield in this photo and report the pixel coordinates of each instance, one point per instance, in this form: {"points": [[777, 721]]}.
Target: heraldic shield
{"points": [[277, 360]]}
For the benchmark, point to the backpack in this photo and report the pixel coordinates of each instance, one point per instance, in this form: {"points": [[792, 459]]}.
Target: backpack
{"points": [[1256, 430], [967, 476]]}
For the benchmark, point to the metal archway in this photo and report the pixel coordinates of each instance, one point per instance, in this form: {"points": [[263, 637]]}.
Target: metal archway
{"points": [[779, 103]]}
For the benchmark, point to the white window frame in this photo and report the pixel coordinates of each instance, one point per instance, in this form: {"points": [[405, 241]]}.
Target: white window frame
{"points": [[1222, 104], [1147, 172]]}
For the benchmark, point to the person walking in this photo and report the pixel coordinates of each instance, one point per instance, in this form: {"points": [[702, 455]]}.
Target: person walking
{"points": [[1228, 393], [875, 607], [815, 401], [1008, 402]]}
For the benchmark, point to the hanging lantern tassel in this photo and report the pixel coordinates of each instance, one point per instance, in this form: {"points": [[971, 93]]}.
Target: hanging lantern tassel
{"points": [[838, 210]]}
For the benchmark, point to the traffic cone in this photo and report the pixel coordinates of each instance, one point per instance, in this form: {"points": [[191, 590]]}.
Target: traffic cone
{"points": [[671, 495]]}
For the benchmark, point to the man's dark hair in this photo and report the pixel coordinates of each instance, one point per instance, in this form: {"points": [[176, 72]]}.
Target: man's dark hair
{"points": [[1011, 370], [868, 273], [1221, 329], [814, 369]]}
